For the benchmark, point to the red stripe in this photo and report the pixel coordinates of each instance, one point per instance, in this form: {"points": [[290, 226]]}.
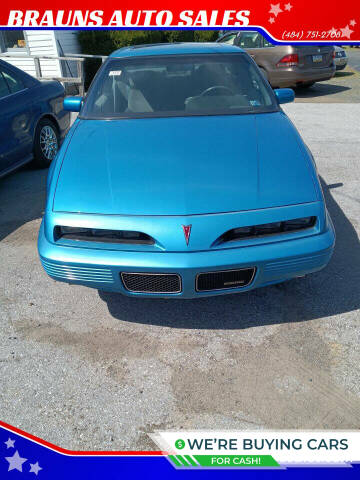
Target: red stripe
{"points": [[79, 452]]}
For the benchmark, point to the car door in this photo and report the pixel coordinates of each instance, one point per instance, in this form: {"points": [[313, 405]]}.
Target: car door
{"points": [[16, 110], [268, 56], [4, 124], [251, 42]]}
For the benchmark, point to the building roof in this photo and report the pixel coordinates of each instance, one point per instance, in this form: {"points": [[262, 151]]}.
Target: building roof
{"points": [[174, 49]]}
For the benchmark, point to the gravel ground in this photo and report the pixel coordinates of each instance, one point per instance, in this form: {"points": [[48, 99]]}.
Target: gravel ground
{"points": [[92, 370]]}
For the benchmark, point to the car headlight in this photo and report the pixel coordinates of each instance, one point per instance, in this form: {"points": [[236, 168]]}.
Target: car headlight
{"points": [[266, 229], [243, 231], [298, 223], [101, 235]]}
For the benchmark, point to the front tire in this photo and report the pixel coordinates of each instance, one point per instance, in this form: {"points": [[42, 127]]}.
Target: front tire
{"points": [[46, 143]]}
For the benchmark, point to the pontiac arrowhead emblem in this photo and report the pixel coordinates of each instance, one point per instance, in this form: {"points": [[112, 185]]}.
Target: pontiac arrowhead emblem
{"points": [[187, 231]]}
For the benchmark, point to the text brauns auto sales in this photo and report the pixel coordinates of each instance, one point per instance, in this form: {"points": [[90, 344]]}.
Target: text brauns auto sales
{"points": [[267, 444], [128, 18]]}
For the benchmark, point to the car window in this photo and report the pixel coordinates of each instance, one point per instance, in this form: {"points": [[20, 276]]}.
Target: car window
{"points": [[14, 82], [4, 89], [250, 40], [266, 43], [178, 85], [230, 39]]}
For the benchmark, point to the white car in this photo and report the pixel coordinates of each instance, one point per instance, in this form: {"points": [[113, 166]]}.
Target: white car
{"points": [[340, 58]]}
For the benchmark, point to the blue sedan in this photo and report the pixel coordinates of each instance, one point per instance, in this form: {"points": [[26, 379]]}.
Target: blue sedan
{"points": [[32, 119], [181, 178]]}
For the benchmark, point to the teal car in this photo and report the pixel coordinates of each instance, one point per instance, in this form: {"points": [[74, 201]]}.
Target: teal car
{"points": [[182, 177]]}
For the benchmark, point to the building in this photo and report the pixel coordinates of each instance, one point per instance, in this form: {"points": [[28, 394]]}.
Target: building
{"points": [[15, 44]]}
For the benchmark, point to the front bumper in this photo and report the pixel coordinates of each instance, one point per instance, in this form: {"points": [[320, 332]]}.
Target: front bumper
{"points": [[101, 269]]}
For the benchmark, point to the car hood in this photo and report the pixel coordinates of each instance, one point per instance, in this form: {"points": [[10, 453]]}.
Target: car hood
{"points": [[184, 166]]}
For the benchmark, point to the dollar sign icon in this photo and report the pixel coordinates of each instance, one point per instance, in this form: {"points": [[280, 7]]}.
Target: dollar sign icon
{"points": [[180, 444]]}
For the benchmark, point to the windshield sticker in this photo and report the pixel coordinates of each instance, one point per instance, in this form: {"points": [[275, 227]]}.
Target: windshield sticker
{"points": [[113, 73]]}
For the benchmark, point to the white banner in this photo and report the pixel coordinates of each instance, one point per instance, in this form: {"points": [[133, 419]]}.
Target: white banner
{"points": [[296, 447]]}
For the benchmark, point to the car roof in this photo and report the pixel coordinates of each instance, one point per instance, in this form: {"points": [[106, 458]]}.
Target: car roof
{"points": [[180, 48]]}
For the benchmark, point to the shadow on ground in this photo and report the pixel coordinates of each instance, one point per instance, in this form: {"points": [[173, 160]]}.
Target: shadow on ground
{"points": [[320, 90], [332, 291], [344, 74], [22, 199]]}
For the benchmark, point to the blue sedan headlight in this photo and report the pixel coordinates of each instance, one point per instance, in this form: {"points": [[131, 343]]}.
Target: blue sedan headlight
{"points": [[101, 235], [299, 223], [267, 229]]}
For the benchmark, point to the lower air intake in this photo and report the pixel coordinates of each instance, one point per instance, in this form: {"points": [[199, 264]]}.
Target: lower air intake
{"points": [[225, 280], [152, 282]]}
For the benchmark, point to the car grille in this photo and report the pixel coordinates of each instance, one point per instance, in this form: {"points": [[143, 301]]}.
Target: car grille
{"points": [[80, 273], [277, 269], [151, 282], [224, 280]]}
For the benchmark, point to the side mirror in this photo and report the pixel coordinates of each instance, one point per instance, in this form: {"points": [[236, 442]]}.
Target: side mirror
{"points": [[284, 95], [73, 104]]}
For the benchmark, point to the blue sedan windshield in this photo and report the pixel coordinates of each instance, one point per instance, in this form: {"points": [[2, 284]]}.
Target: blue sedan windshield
{"points": [[178, 85]]}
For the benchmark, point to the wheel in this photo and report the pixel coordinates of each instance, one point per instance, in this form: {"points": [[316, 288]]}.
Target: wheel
{"points": [[46, 143]]}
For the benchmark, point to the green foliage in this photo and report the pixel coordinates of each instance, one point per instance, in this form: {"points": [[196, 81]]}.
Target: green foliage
{"points": [[103, 42], [123, 38], [171, 36], [206, 35]]}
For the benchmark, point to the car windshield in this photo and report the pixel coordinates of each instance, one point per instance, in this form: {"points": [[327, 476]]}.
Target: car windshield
{"points": [[178, 85]]}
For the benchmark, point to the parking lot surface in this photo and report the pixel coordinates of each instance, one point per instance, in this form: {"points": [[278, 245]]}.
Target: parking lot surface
{"points": [[354, 58], [344, 87], [92, 370]]}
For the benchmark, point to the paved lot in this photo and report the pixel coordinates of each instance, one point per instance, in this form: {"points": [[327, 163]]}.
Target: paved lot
{"points": [[86, 369], [354, 58], [344, 87]]}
